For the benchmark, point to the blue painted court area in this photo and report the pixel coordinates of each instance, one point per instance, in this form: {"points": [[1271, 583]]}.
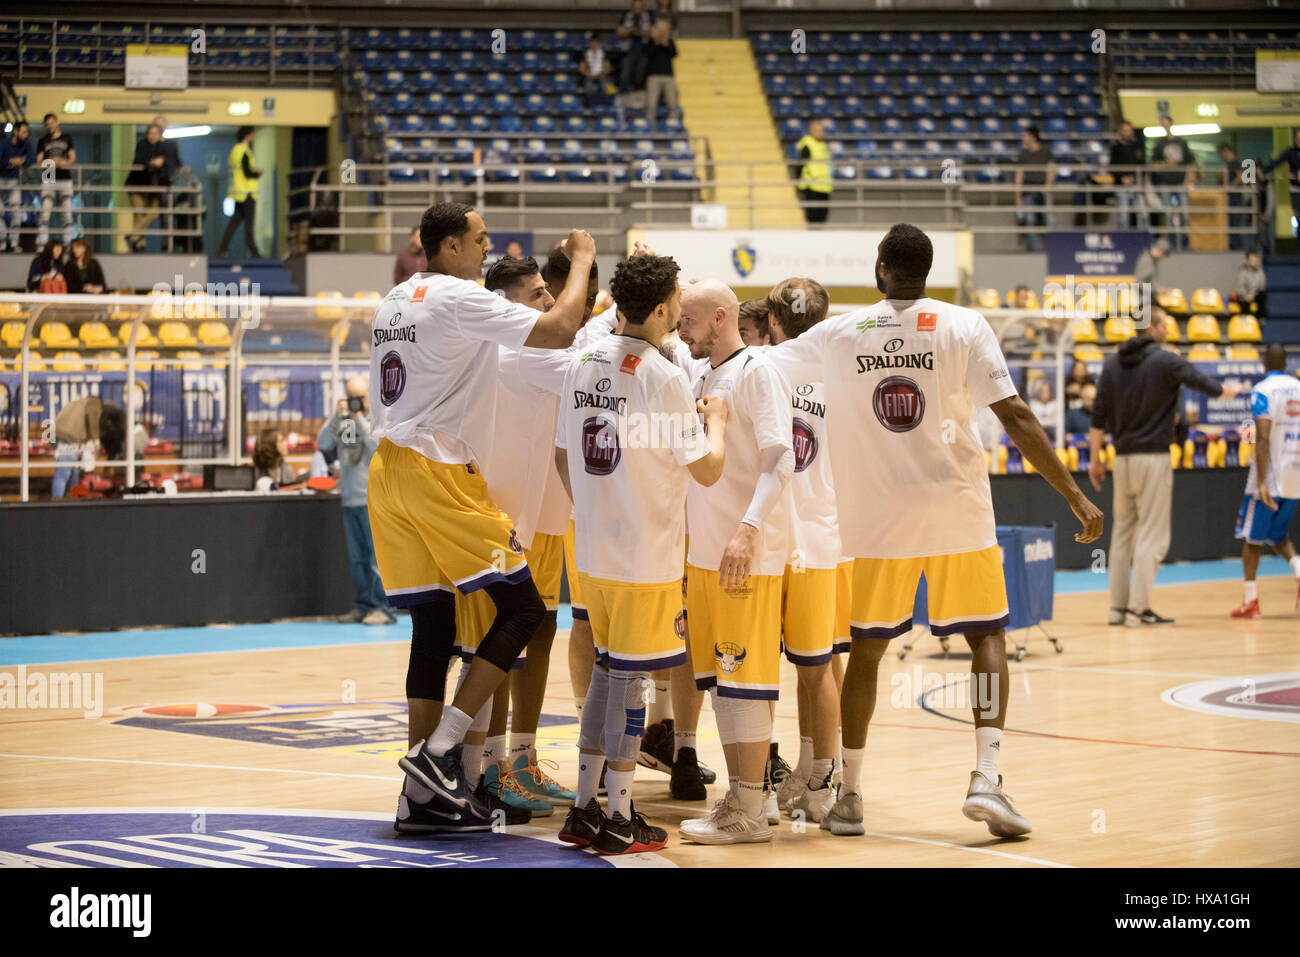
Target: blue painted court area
{"points": [[52, 649]]}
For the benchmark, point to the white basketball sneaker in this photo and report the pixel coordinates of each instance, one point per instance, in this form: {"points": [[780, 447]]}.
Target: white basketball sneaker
{"points": [[815, 803], [788, 791], [985, 801], [726, 824]]}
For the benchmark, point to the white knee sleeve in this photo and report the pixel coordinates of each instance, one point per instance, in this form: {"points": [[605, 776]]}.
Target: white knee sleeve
{"points": [[625, 714], [591, 736], [750, 721], [726, 726]]}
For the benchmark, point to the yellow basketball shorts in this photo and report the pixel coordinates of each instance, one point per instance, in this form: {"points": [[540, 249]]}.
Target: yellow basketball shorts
{"points": [[635, 626], [546, 559], [843, 606], [966, 592], [578, 606], [735, 637], [436, 528], [808, 614], [475, 614]]}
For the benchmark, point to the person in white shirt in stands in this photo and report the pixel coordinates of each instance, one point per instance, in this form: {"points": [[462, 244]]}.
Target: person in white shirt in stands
{"points": [[594, 68], [627, 443], [433, 373], [903, 380]]}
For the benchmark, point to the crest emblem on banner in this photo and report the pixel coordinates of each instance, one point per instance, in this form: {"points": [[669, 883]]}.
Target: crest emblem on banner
{"points": [[273, 392], [743, 258]]}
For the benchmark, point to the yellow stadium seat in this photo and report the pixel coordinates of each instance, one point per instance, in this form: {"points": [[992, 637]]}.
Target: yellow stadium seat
{"points": [[190, 355], [108, 362], [36, 364], [1203, 352], [1088, 303], [1207, 300], [123, 312], [176, 335], [1172, 332], [1172, 300], [1088, 353], [95, 335], [11, 333], [68, 362], [161, 309], [214, 334], [1175, 455], [329, 312], [1031, 300], [1243, 352], [144, 357], [374, 294], [1201, 328], [1119, 329], [13, 310], [57, 335], [1058, 302], [1243, 329], [143, 338]]}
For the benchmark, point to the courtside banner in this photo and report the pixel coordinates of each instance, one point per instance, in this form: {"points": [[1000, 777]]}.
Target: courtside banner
{"points": [[1110, 256], [765, 257]]}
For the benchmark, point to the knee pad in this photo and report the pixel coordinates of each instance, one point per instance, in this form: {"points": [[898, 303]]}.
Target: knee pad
{"points": [[625, 714], [749, 721], [433, 632], [591, 736], [520, 610]]}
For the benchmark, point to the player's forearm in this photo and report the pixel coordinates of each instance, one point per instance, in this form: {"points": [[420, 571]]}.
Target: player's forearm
{"points": [[778, 469], [1263, 432], [1095, 438], [557, 327], [1024, 429], [708, 470]]}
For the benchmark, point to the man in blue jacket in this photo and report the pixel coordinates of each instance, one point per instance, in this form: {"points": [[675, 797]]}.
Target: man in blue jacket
{"points": [[17, 153]]}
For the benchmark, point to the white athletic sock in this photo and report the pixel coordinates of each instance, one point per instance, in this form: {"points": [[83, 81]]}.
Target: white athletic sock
{"points": [[821, 772], [472, 758], [495, 748], [749, 794], [618, 787], [589, 766], [682, 739], [522, 744], [732, 783], [1252, 590], [661, 705], [451, 731], [852, 781], [1294, 562], [988, 745], [803, 770]]}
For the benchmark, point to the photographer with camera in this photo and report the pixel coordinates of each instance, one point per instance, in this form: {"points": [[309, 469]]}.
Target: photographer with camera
{"points": [[348, 433]]}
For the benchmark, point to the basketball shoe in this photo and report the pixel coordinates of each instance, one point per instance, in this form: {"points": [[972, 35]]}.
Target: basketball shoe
{"points": [[726, 824], [986, 801], [1247, 609], [619, 835], [582, 824], [845, 816]]}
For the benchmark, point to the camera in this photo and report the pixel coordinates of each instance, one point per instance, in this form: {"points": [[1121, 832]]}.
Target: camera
{"points": [[356, 403]]}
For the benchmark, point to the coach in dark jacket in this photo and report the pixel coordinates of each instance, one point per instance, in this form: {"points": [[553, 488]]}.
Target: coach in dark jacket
{"points": [[1137, 398]]}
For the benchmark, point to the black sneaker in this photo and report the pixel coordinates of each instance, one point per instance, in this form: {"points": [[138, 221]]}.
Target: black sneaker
{"points": [[686, 782], [778, 770], [657, 747], [620, 836], [1149, 617], [436, 817], [445, 776], [582, 824], [493, 802]]}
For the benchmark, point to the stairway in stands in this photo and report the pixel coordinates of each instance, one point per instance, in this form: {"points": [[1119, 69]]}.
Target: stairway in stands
{"points": [[722, 99], [1283, 320], [270, 275]]}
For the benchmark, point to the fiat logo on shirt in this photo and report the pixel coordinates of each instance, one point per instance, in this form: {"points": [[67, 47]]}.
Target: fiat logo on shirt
{"points": [[899, 403], [600, 449], [392, 378], [805, 445]]}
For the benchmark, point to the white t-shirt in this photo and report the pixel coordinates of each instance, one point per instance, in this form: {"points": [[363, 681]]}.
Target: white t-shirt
{"points": [[434, 364], [816, 512], [1277, 397], [628, 422], [759, 419], [904, 381]]}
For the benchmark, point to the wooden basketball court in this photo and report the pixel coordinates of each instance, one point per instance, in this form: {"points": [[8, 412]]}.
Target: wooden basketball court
{"points": [[1111, 764]]}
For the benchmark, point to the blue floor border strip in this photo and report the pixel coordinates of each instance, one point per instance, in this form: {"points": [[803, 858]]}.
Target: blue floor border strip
{"points": [[155, 642]]}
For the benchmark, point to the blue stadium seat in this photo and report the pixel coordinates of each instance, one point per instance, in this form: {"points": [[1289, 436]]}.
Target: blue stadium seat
{"points": [[536, 104], [541, 124], [469, 103], [1088, 126], [478, 123], [887, 106], [425, 81], [503, 103], [494, 82], [924, 126], [958, 125], [945, 84], [459, 82], [858, 126], [891, 126], [1051, 105], [1055, 126], [979, 84], [574, 124], [912, 85], [990, 126], [446, 123], [510, 123], [986, 106], [919, 105]]}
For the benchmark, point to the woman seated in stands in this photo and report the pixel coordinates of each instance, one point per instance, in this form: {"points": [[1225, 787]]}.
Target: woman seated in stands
{"points": [[268, 457], [83, 272], [47, 270], [1078, 378]]}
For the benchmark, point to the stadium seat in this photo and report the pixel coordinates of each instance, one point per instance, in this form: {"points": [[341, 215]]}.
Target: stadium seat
{"points": [[56, 335], [67, 361], [176, 335], [1203, 352], [1244, 328], [1084, 330], [987, 299], [1208, 300], [1119, 329], [35, 363], [144, 337], [1172, 300], [1172, 332], [1203, 328], [1243, 352], [329, 312], [108, 362], [11, 333], [214, 334], [96, 335], [190, 355]]}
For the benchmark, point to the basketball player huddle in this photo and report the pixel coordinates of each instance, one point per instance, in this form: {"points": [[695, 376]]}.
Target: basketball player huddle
{"points": [[794, 476]]}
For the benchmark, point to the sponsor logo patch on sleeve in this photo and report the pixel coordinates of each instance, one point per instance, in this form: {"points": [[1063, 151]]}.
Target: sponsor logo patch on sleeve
{"points": [[418, 295], [630, 362], [927, 321]]}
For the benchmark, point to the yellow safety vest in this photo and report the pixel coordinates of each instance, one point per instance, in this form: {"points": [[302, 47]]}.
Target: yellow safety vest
{"points": [[241, 186], [816, 172]]}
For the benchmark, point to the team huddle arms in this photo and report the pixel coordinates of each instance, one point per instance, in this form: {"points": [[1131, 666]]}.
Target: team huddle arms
{"points": [[730, 497]]}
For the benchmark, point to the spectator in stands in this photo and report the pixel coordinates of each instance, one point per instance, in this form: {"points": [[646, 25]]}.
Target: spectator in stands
{"points": [[815, 184], [753, 322], [171, 149], [1251, 285], [1019, 297], [79, 427], [635, 29], [268, 457], [514, 250], [56, 147], [243, 190], [1075, 382], [1078, 420], [1230, 180], [410, 260], [1040, 170], [83, 272], [659, 80], [150, 169], [1291, 157], [185, 199], [594, 68], [18, 153], [1136, 401], [1128, 150], [1043, 405], [1173, 169], [1147, 269], [348, 432], [46, 270], [664, 11]]}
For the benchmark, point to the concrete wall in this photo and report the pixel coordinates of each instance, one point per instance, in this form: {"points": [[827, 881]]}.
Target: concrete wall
{"points": [[139, 271]]}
